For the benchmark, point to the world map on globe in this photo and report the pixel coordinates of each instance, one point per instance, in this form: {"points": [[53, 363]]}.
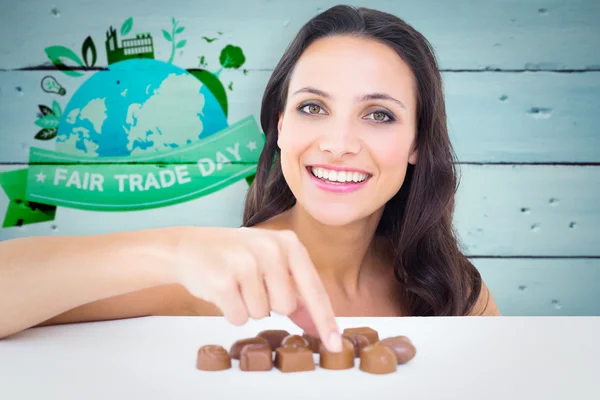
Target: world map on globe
{"points": [[136, 107]]}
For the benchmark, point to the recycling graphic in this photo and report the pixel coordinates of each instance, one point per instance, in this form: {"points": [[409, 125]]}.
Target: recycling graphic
{"points": [[140, 133]]}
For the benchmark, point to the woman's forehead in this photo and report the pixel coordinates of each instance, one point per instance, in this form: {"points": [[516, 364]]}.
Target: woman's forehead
{"points": [[346, 65]]}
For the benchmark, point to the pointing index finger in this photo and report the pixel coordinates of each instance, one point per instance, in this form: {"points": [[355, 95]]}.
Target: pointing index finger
{"points": [[314, 296]]}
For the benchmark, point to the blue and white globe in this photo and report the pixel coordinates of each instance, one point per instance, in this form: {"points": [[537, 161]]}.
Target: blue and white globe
{"points": [[137, 107]]}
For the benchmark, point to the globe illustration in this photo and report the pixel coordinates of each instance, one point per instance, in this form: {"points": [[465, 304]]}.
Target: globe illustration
{"points": [[138, 107]]}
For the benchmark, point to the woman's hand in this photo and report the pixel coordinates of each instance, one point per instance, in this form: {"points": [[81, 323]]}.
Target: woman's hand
{"points": [[249, 272]]}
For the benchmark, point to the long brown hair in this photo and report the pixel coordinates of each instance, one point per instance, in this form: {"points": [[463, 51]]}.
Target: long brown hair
{"points": [[437, 279]]}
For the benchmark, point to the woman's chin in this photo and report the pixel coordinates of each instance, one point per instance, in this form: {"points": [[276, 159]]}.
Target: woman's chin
{"points": [[334, 215]]}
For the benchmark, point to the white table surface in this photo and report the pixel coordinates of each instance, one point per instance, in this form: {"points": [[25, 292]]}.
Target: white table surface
{"points": [[154, 358]]}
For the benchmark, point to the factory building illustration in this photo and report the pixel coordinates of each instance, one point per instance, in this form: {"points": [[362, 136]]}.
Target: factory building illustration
{"points": [[142, 46]]}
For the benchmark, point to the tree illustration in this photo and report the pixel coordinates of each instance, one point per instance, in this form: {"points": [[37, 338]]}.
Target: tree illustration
{"points": [[231, 57]]}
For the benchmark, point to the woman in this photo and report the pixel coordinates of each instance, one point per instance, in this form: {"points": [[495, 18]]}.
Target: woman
{"points": [[350, 213]]}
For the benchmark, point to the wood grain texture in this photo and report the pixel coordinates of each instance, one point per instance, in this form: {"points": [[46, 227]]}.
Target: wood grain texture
{"points": [[529, 210], [545, 117], [503, 34], [542, 287]]}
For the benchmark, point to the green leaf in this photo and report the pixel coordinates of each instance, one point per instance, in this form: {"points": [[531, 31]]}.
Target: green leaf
{"points": [[57, 53], [87, 48], [46, 134], [126, 27], [180, 29], [48, 122], [173, 21], [56, 109], [232, 57], [45, 110], [167, 35], [181, 44]]}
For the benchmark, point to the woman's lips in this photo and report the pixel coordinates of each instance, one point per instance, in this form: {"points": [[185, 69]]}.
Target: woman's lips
{"points": [[337, 187]]}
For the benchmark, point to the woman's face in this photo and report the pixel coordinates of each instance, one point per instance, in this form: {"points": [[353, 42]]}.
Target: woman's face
{"points": [[348, 129]]}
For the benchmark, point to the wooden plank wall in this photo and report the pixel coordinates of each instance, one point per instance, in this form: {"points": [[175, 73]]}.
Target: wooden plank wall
{"points": [[522, 81]]}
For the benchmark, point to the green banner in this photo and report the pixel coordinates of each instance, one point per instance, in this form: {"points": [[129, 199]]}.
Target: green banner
{"points": [[131, 183]]}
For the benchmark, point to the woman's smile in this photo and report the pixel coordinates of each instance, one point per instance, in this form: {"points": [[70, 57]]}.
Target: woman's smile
{"points": [[337, 181]]}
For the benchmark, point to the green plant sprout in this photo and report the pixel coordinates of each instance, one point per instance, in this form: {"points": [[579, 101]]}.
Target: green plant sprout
{"points": [[56, 54], [171, 38]]}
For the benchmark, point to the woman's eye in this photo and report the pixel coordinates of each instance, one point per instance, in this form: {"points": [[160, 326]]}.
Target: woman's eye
{"points": [[380, 116], [312, 109]]}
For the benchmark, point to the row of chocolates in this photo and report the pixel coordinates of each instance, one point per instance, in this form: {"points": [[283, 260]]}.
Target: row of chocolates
{"points": [[294, 353]]}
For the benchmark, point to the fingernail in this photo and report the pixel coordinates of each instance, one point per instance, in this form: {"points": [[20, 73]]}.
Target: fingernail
{"points": [[335, 342]]}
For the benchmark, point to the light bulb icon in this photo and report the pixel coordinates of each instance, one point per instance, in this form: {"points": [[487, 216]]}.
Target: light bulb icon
{"points": [[50, 85]]}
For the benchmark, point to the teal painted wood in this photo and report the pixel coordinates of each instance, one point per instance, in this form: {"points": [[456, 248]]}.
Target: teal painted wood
{"points": [[540, 117], [529, 210], [492, 117], [500, 211], [532, 34], [543, 287]]}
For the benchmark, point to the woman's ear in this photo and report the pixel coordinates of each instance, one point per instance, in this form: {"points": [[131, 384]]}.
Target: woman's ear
{"points": [[279, 125], [414, 155]]}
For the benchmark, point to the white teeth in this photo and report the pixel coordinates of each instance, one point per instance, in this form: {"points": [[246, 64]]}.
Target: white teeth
{"points": [[338, 176]]}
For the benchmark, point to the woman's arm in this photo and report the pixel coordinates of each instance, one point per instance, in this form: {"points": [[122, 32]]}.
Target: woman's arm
{"points": [[48, 280], [245, 272], [172, 300]]}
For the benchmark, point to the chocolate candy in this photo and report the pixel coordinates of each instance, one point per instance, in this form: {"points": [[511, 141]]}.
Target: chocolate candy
{"points": [[313, 343], [256, 357], [369, 333], [294, 359], [294, 341], [359, 341], [402, 348], [213, 358], [237, 347], [339, 360], [274, 337], [377, 359], [294, 353]]}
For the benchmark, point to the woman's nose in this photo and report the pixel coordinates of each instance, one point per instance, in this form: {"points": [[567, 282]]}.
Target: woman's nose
{"points": [[340, 139]]}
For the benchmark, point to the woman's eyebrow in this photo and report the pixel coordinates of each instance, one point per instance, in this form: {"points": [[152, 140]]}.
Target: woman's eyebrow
{"points": [[364, 97], [381, 96], [312, 90]]}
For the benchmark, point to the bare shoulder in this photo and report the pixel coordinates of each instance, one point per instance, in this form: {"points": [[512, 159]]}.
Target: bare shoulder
{"points": [[485, 305]]}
